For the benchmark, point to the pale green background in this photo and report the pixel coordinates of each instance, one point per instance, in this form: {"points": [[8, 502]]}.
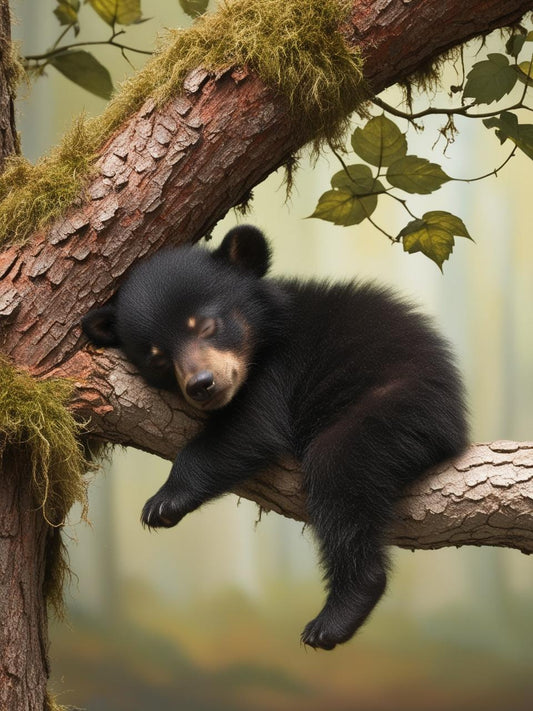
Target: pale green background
{"points": [[208, 615]]}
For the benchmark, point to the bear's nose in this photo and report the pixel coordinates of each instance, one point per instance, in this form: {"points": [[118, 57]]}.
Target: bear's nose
{"points": [[200, 386]]}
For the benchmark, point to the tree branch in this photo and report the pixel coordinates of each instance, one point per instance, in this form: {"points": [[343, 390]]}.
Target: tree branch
{"points": [[170, 174], [482, 498], [166, 177]]}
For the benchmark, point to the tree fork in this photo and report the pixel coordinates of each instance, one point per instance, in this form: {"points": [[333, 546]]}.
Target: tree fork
{"points": [[166, 177]]}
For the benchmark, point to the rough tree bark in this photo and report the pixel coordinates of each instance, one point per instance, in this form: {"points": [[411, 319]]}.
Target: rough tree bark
{"points": [[23, 530], [24, 535], [166, 177], [8, 133]]}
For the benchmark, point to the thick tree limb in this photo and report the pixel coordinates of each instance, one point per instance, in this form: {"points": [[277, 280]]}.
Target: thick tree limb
{"points": [[170, 174], [166, 177], [485, 497]]}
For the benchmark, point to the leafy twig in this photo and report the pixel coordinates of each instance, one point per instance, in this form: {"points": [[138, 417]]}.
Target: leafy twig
{"points": [[48, 55], [456, 111]]}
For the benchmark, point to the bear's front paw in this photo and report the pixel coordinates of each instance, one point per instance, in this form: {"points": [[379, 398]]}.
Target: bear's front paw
{"points": [[164, 510]]}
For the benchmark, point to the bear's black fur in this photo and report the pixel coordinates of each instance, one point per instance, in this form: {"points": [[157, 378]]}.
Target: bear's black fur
{"points": [[348, 379]]}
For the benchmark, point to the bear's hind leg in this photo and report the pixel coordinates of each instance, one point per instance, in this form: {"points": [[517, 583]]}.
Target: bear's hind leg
{"points": [[355, 566], [355, 470]]}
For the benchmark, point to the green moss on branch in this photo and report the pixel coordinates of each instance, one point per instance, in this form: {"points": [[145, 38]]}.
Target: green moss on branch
{"points": [[31, 195], [38, 434], [294, 46]]}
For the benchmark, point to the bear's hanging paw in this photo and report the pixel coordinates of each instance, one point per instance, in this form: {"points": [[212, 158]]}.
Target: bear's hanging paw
{"points": [[328, 630], [165, 509], [346, 609]]}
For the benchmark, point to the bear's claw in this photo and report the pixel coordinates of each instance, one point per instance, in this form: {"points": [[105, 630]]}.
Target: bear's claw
{"points": [[163, 511], [314, 635], [329, 628]]}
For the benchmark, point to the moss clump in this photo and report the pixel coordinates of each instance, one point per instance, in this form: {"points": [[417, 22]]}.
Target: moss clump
{"points": [[37, 432], [30, 195], [34, 418], [50, 704], [293, 45]]}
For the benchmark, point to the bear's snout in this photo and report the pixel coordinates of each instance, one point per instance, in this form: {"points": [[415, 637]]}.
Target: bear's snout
{"points": [[201, 386], [207, 377]]}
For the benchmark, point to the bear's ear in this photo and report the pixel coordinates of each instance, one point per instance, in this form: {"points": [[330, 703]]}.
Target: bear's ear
{"points": [[246, 247], [99, 325]]}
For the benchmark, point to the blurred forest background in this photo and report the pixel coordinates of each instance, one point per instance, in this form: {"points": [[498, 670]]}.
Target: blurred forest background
{"points": [[207, 616]]}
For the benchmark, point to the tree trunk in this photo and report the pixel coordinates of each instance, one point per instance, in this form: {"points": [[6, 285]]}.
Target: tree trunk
{"points": [[23, 531], [166, 177], [24, 537], [8, 133]]}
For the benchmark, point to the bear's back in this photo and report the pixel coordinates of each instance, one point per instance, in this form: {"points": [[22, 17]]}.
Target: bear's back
{"points": [[344, 341]]}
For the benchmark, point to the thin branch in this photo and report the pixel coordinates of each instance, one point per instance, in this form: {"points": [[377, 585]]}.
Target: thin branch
{"points": [[126, 58], [340, 159], [58, 40], [52, 53], [492, 172], [374, 224], [456, 111], [402, 202]]}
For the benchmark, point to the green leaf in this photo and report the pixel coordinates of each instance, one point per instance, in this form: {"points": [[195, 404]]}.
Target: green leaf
{"points": [[194, 8], [67, 11], [433, 235], [344, 208], [490, 79], [357, 180], [83, 69], [379, 142], [416, 175], [450, 222], [514, 44], [65, 15], [122, 12], [507, 127], [525, 73]]}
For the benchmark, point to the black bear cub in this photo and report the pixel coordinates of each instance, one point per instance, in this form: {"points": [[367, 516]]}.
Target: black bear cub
{"points": [[348, 379]]}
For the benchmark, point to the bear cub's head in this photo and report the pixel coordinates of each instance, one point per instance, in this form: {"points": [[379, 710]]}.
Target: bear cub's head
{"points": [[193, 319]]}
